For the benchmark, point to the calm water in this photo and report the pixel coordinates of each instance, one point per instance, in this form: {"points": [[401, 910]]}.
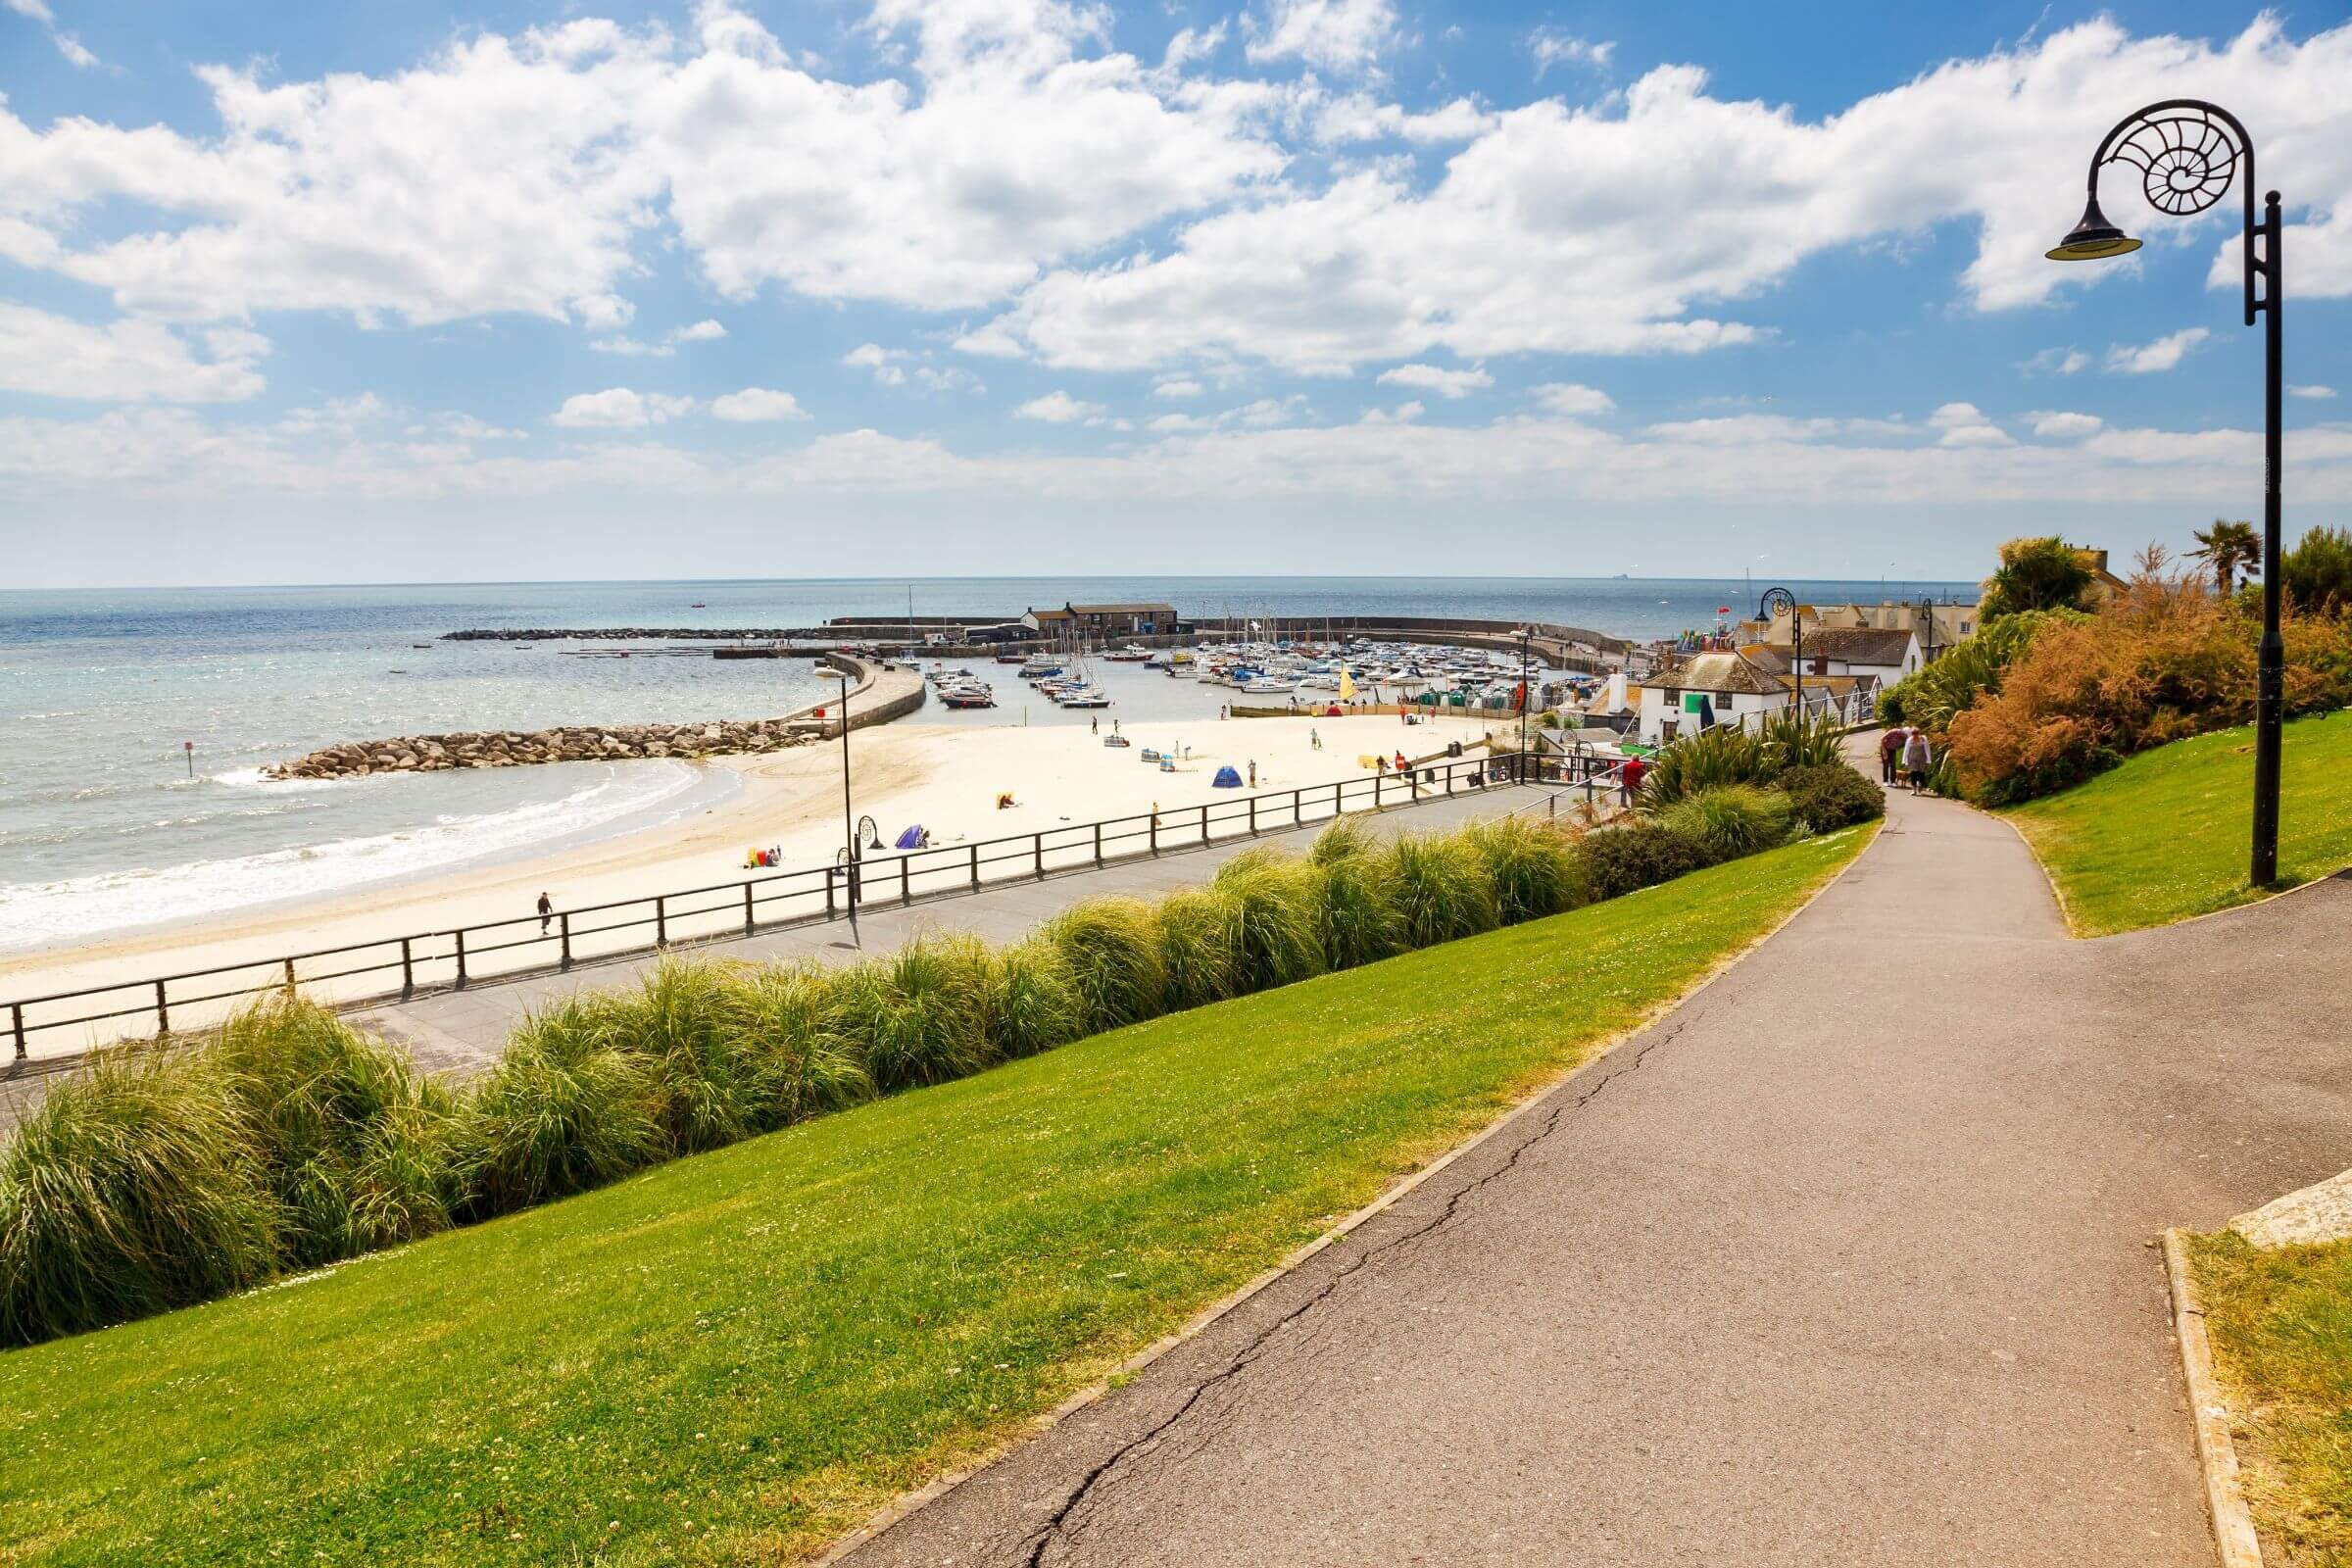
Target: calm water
{"points": [[105, 826]]}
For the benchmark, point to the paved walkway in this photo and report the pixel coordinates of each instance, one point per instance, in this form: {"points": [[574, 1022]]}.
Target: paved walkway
{"points": [[1845, 1261], [456, 1031]]}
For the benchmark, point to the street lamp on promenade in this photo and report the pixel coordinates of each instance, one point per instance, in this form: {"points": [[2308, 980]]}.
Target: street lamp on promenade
{"points": [[1526, 695], [1775, 600], [2188, 152], [848, 823]]}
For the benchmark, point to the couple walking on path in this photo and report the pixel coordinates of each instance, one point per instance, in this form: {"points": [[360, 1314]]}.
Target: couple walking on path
{"points": [[1904, 755]]}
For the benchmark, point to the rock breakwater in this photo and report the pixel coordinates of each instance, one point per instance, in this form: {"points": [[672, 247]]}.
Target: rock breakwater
{"points": [[578, 743]]}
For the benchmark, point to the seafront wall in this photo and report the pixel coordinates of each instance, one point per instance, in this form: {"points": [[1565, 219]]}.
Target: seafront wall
{"points": [[879, 694]]}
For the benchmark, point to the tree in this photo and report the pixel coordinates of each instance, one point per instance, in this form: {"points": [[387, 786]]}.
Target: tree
{"points": [[2036, 574], [2229, 548], [2316, 573]]}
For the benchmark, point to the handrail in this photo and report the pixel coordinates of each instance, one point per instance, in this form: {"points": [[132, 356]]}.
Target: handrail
{"points": [[423, 962]]}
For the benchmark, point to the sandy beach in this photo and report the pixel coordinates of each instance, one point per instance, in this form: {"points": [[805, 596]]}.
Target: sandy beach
{"points": [[947, 779]]}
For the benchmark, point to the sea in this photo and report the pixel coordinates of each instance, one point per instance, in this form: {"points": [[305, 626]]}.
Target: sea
{"points": [[137, 722]]}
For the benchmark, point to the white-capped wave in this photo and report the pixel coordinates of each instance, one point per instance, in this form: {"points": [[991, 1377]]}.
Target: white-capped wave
{"points": [[41, 915]]}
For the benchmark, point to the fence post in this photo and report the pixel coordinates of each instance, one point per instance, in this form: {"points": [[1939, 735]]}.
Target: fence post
{"points": [[408, 971], [975, 868], [1156, 832], [162, 1011], [1038, 848], [16, 1018], [1298, 808], [906, 880], [830, 870], [289, 977], [1097, 846], [1204, 824], [1378, 779], [1253, 816], [459, 933], [747, 908]]}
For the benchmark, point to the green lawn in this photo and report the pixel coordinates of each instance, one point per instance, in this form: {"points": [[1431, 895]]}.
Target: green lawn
{"points": [[2282, 1328], [2165, 836], [736, 1356]]}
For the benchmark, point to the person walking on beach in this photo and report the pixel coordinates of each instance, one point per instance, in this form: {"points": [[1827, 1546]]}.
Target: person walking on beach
{"points": [[1916, 758], [547, 912], [1253, 772], [1890, 753], [1093, 726], [1314, 741]]}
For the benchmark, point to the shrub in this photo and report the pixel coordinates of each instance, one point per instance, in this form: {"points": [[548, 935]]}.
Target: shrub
{"points": [[716, 1085], [2045, 573], [1535, 868], [1356, 908], [1033, 1002], [1933, 694], [563, 1110], [1736, 820], [917, 1016], [782, 1012], [1280, 935], [1817, 741], [1200, 947], [1638, 854], [1442, 885], [1710, 759], [354, 1146], [1113, 949], [1831, 797], [2316, 573], [133, 1188]]}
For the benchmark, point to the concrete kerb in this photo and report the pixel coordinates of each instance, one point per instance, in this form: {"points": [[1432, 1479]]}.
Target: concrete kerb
{"points": [[2234, 1542], [1399, 1189], [2066, 914]]}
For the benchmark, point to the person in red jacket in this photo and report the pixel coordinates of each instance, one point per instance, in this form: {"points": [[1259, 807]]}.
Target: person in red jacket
{"points": [[1630, 778]]}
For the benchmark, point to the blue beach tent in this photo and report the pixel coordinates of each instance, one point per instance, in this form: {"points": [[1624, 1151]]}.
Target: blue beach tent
{"points": [[1227, 779]]}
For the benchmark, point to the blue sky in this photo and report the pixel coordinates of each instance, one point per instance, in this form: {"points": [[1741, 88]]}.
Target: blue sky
{"points": [[400, 293]]}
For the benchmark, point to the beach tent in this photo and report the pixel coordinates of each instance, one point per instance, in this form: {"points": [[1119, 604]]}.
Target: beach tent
{"points": [[1227, 779], [913, 838]]}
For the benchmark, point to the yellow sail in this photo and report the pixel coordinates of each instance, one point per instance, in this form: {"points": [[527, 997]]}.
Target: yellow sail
{"points": [[1346, 686]]}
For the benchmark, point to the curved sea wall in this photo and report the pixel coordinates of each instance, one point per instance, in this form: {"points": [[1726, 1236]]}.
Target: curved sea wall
{"points": [[889, 694]]}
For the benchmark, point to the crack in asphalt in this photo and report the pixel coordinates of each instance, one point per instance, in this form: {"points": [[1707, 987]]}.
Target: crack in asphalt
{"points": [[1063, 1525]]}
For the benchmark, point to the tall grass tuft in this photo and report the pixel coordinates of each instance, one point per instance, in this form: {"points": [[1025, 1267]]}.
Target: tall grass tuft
{"points": [[133, 1188], [918, 1016], [1443, 888], [1344, 840], [716, 1085], [1709, 759], [1200, 947], [1278, 925], [1033, 1002], [783, 1014], [1812, 741], [355, 1146], [1113, 949], [565, 1110], [1358, 910], [1734, 820], [1535, 868]]}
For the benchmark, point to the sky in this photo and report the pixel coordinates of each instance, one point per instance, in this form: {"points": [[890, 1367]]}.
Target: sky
{"points": [[798, 288]]}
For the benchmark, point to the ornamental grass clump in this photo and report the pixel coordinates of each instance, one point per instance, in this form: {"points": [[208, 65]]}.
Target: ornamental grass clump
{"points": [[918, 1016], [1279, 932], [1033, 1002], [1200, 947], [565, 1110], [1442, 885], [1113, 949], [1709, 759], [1355, 903], [1736, 820], [133, 1188], [783, 1014], [1535, 868], [716, 1086], [357, 1147]]}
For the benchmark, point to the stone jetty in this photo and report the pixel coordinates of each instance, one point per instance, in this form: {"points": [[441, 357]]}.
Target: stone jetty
{"points": [[579, 743], [623, 634]]}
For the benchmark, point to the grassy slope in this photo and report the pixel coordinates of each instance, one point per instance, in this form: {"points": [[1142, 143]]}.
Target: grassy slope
{"points": [[2282, 1327], [2164, 836], [737, 1355]]}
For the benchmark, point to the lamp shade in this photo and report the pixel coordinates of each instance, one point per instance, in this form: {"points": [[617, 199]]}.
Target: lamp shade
{"points": [[2092, 239]]}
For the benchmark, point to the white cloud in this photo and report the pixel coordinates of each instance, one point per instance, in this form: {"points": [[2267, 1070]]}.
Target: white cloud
{"points": [[67, 44], [1964, 425], [1179, 386], [2162, 354], [1570, 398], [2058, 361], [1551, 47], [699, 332], [1435, 378], [879, 360], [2066, 427], [703, 331], [2312, 391], [123, 362], [1338, 35], [1059, 408], [757, 404], [619, 409]]}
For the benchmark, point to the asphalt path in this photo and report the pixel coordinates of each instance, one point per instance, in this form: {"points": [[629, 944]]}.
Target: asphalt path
{"points": [[1848, 1259]]}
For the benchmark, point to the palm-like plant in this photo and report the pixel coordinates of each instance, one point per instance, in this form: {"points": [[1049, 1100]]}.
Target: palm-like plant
{"points": [[2229, 548]]}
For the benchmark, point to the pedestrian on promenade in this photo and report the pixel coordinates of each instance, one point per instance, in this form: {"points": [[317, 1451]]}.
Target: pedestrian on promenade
{"points": [[547, 912], [1916, 758], [1093, 726], [1890, 753], [1629, 778]]}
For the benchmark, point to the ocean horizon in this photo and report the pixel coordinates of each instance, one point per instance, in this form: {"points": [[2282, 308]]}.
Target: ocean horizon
{"points": [[132, 795]]}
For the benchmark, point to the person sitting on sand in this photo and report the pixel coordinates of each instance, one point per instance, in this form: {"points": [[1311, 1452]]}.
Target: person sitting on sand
{"points": [[1006, 801]]}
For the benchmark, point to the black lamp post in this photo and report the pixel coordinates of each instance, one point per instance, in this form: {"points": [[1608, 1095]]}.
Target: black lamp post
{"points": [[1526, 695], [848, 859], [2187, 151], [1775, 600]]}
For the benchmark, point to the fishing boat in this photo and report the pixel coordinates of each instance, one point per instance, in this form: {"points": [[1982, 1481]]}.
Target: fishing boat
{"points": [[1130, 655], [1084, 697]]}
